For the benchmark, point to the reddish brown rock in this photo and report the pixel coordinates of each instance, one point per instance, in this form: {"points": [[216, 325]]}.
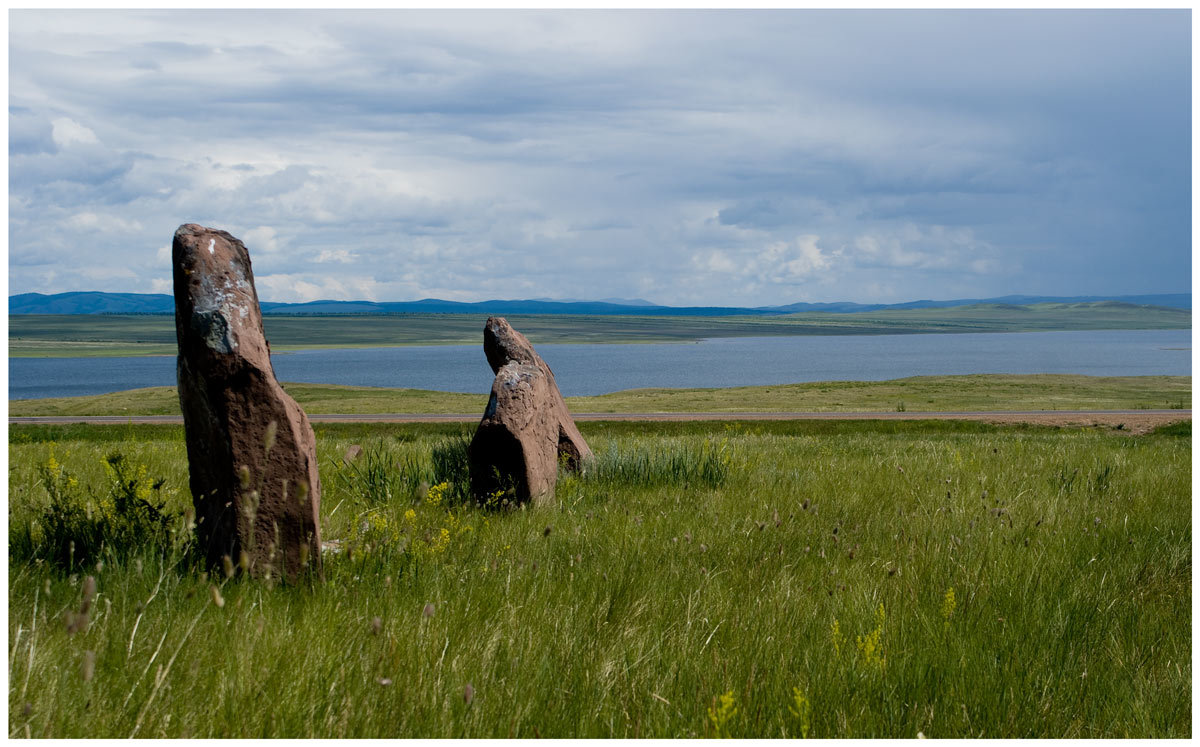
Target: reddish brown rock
{"points": [[251, 452], [526, 430]]}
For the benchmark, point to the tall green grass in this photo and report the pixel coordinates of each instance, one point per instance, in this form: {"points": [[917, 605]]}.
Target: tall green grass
{"points": [[767, 579]]}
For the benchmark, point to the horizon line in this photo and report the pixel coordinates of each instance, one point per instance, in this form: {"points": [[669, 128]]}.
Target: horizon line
{"points": [[612, 301]]}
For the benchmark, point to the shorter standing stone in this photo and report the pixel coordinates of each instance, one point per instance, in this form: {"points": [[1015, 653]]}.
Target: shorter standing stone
{"points": [[526, 429], [251, 452]]}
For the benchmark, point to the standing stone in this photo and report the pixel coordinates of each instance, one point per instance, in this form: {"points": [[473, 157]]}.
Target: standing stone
{"points": [[251, 451], [526, 429]]}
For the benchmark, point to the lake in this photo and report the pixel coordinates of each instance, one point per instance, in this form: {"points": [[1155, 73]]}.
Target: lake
{"points": [[718, 362]]}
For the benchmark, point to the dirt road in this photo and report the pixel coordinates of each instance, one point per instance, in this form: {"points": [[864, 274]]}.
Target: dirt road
{"points": [[1134, 421]]}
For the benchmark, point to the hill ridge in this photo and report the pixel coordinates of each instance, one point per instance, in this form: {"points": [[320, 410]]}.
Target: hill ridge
{"points": [[102, 302]]}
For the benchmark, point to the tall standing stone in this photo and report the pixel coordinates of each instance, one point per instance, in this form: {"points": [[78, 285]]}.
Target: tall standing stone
{"points": [[526, 429], [251, 451]]}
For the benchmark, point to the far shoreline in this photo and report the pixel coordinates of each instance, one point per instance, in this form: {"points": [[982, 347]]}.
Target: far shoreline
{"points": [[161, 352]]}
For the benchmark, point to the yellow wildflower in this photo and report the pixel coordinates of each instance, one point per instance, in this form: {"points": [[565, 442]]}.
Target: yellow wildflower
{"points": [[723, 709], [802, 710], [436, 493], [870, 646], [948, 605]]}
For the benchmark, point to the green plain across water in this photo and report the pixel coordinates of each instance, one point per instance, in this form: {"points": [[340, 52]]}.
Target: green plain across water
{"points": [[125, 335]]}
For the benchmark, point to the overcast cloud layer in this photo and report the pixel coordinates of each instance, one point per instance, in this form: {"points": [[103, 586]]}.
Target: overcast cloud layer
{"points": [[732, 158]]}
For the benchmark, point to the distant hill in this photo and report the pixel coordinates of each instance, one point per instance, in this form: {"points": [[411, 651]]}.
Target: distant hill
{"points": [[95, 302], [91, 302], [1169, 300], [618, 301]]}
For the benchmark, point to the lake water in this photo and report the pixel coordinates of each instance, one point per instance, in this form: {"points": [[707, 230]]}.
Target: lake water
{"points": [[719, 362]]}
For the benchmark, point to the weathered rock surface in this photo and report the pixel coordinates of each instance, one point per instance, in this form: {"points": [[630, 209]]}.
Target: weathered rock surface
{"points": [[526, 428], [251, 451]]}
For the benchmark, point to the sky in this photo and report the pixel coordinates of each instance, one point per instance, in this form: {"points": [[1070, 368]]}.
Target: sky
{"points": [[683, 157]]}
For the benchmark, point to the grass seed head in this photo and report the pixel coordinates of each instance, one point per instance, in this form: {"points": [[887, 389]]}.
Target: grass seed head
{"points": [[89, 594], [89, 665], [468, 694], [216, 595], [269, 437]]}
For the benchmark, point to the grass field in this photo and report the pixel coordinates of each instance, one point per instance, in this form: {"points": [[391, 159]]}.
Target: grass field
{"points": [[116, 335], [917, 394], [774, 579]]}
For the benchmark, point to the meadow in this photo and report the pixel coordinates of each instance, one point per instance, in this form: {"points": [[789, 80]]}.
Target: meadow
{"points": [[32, 335], [766, 579]]}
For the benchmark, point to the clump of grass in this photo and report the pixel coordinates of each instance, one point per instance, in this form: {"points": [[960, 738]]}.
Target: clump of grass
{"points": [[375, 476], [683, 463], [81, 524], [451, 465]]}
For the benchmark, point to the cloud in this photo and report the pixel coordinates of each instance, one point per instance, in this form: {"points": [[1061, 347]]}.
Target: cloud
{"points": [[261, 240], [29, 133], [756, 213], [88, 222], [67, 132], [932, 248], [300, 288], [344, 256], [692, 157], [796, 261], [294, 289]]}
